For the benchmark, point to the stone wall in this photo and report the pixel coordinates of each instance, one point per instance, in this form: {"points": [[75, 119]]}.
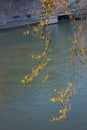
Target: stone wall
{"points": [[10, 8]]}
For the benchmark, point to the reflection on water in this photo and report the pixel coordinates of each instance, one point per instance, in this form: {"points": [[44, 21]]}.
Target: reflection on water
{"points": [[28, 107]]}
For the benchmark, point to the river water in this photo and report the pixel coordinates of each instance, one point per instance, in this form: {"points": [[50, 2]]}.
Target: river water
{"points": [[28, 107]]}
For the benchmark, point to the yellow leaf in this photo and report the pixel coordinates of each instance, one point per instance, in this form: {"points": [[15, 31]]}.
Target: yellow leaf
{"points": [[52, 100], [70, 84], [82, 51], [23, 81], [35, 29], [45, 78], [42, 23]]}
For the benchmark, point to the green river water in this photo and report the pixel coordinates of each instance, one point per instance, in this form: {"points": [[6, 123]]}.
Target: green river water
{"points": [[29, 107]]}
